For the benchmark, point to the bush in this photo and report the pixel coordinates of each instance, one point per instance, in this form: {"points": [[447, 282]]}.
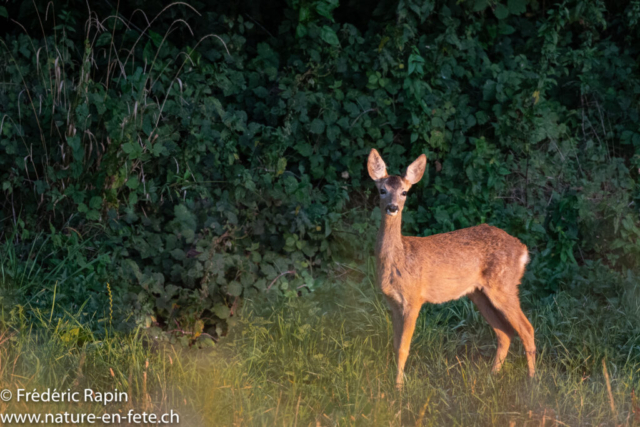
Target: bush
{"points": [[211, 154]]}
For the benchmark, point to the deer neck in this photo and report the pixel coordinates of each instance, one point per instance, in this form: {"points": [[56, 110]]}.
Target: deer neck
{"points": [[389, 247]]}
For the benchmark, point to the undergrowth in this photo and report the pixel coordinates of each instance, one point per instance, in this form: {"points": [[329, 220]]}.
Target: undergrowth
{"points": [[196, 155], [327, 359]]}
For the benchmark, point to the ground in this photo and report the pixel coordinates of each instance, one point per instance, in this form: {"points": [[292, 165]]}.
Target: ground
{"points": [[326, 359]]}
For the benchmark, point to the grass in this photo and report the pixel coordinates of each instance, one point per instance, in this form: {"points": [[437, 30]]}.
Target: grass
{"points": [[326, 360]]}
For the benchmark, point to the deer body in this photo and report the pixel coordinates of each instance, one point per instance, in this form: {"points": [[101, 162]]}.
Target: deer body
{"points": [[482, 262]]}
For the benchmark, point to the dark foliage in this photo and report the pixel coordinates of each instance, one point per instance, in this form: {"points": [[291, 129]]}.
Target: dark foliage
{"points": [[193, 154]]}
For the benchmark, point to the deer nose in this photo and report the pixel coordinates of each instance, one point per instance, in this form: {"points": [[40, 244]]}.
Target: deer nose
{"points": [[392, 209]]}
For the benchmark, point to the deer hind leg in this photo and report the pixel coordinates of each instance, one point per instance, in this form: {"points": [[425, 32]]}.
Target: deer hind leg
{"points": [[504, 331], [409, 317], [509, 306], [531, 351]]}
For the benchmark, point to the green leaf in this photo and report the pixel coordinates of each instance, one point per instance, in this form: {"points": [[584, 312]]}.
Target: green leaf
{"points": [[506, 29], [206, 342], [133, 182], [290, 184], [95, 202], [501, 11], [333, 132], [268, 270], [328, 35], [234, 289], [282, 166], [301, 31], [489, 90], [221, 310], [3, 12], [305, 14], [305, 149], [517, 7], [178, 254], [103, 39], [480, 5], [74, 142], [156, 38], [317, 126], [325, 8]]}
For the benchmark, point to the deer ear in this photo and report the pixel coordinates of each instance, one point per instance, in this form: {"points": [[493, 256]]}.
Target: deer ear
{"points": [[416, 169], [376, 166]]}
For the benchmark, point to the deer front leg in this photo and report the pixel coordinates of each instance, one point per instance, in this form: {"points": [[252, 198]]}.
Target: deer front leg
{"points": [[396, 322], [409, 317]]}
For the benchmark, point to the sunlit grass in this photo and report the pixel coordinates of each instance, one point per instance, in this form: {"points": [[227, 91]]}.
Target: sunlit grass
{"points": [[326, 359]]}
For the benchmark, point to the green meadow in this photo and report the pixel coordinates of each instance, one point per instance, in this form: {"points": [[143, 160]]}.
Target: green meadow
{"points": [[327, 360]]}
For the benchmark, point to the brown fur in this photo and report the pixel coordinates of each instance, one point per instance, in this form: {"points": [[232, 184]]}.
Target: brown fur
{"points": [[482, 262]]}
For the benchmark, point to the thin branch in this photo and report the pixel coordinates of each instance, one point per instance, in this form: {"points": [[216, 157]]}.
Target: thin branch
{"points": [[361, 114], [259, 25], [279, 276]]}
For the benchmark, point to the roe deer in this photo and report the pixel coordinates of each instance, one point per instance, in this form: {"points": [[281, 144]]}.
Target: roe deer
{"points": [[481, 262]]}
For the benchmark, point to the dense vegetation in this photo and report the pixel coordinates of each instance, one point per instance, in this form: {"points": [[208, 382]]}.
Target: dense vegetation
{"points": [[191, 155]]}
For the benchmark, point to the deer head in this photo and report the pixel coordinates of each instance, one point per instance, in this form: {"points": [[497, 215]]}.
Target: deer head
{"points": [[393, 189]]}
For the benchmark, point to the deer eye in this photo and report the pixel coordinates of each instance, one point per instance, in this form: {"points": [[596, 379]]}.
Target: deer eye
{"points": [[383, 191], [404, 193]]}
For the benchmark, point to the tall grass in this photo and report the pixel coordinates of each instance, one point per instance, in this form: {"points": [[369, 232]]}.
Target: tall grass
{"points": [[327, 360]]}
